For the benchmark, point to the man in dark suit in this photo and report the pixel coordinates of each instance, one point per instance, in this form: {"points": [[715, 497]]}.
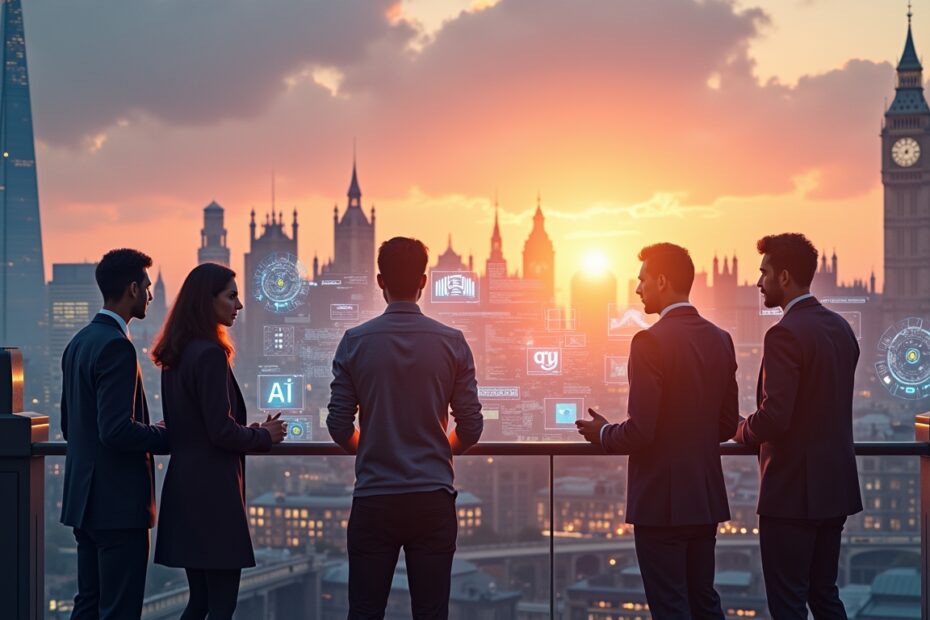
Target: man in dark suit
{"points": [[803, 428], [109, 488], [403, 374], [682, 404]]}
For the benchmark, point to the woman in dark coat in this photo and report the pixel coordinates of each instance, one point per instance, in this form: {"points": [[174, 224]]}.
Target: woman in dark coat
{"points": [[202, 524]]}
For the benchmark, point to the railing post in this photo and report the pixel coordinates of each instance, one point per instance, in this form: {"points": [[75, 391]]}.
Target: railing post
{"points": [[922, 434], [22, 497]]}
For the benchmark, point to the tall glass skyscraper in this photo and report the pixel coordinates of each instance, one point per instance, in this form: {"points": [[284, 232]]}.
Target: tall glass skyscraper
{"points": [[22, 277]]}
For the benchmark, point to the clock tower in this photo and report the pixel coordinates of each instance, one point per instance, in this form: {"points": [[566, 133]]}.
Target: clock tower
{"points": [[906, 178]]}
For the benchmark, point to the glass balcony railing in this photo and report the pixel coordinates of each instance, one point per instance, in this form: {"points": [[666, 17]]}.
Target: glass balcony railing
{"points": [[541, 535]]}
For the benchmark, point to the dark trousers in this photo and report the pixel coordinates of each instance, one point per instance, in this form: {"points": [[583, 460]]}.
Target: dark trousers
{"points": [[213, 592], [425, 525], [677, 565], [800, 559], [111, 573]]}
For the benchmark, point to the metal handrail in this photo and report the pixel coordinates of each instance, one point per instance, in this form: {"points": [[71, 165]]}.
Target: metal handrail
{"points": [[538, 448]]}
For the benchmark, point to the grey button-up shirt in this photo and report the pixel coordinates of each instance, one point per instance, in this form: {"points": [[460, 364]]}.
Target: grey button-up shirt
{"points": [[403, 373]]}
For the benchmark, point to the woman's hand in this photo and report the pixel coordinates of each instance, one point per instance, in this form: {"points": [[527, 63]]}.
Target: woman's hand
{"points": [[276, 427]]}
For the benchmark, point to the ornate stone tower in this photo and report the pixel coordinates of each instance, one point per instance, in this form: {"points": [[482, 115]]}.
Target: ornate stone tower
{"points": [[213, 248], [539, 255], [906, 178]]}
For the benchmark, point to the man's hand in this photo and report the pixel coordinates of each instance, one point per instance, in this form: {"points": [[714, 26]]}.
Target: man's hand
{"points": [[591, 429]]}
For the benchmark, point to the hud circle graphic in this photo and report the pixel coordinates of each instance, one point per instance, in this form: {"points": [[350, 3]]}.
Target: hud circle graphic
{"points": [[280, 282], [903, 366]]}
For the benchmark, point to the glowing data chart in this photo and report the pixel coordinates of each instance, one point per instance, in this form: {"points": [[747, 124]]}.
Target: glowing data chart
{"points": [[903, 366]]}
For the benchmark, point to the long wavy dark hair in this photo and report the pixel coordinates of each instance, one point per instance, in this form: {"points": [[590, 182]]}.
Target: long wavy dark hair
{"points": [[192, 316]]}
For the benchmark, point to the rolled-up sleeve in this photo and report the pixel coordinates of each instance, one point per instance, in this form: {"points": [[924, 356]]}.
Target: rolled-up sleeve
{"points": [[466, 408], [343, 400]]}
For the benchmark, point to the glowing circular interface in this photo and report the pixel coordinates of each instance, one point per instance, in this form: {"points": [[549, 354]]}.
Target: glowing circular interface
{"points": [[280, 282], [903, 366]]}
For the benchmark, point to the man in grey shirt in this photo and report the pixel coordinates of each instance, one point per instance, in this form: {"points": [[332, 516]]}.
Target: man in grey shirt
{"points": [[401, 373]]}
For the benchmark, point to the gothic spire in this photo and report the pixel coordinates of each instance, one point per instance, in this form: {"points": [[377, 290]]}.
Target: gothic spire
{"points": [[909, 60]]}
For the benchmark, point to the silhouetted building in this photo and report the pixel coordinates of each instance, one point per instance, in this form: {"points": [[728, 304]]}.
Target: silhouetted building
{"points": [[905, 148], [450, 260], [213, 248], [617, 594], [496, 265], [280, 520], [353, 237], [73, 299], [539, 256], [592, 295], [585, 507], [23, 308]]}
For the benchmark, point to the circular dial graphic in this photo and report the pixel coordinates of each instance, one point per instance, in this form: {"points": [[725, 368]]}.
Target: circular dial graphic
{"points": [[280, 283], [905, 152], [904, 360]]}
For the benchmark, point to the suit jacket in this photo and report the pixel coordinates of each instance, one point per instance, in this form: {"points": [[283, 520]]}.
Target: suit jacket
{"points": [[803, 421], [202, 523], [109, 469], [683, 403]]}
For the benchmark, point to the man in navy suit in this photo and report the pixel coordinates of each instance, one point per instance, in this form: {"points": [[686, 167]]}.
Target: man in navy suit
{"points": [[683, 402], [803, 428], [109, 489]]}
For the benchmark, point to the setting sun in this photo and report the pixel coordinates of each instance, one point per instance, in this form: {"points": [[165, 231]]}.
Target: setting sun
{"points": [[594, 262]]}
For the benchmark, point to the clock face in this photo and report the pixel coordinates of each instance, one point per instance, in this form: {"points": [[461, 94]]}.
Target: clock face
{"points": [[905, 152]]}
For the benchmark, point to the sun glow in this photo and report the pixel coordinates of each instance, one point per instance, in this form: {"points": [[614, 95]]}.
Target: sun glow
{"points": [[594, 263]]}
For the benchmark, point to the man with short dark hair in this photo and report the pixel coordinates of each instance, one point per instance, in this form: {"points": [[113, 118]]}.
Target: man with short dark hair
{"points": [[682, 404], [400, 373], [803, 428], [109, 487]]}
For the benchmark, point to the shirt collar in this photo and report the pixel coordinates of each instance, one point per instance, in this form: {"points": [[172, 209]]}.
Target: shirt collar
{"points": [[796, 300], [119, 320], [403, 306], [670, 307]]}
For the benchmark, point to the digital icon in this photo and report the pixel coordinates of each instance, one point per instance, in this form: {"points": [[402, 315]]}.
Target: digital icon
{"points": [[278, 340], [559, 320], [903, 364], [454, 287], [297, 429], [615, 369], [280, 283], [576, 341], [626, 322], [281, 392], [566, 413], [561, 413], [343, 312], [499, 392], [543, 361]]}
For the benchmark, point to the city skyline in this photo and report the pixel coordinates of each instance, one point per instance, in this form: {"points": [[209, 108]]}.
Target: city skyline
{"points": [[563, 123]]}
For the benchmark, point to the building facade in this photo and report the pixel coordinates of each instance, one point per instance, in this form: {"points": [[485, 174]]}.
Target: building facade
{"points": [[23, 308]]}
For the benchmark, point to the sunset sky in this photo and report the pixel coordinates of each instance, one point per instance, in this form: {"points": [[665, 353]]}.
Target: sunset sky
{"points": [[703, 122]]}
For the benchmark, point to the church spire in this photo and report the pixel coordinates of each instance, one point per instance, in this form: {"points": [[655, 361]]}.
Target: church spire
{"points": [[497, 244], [355, 192]]}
